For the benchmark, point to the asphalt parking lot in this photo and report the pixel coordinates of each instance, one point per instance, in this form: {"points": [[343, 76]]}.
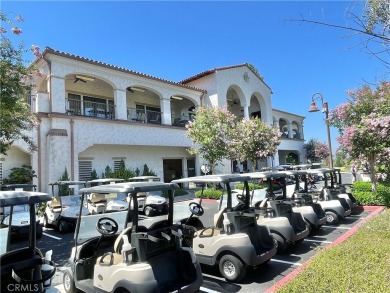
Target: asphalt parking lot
{"points": [[257, 279]]}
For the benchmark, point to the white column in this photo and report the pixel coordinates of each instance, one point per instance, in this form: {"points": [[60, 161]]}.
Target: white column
{"points": [[166, 118], [289, 130], [246, 111], [120, 104], [57, 94]]}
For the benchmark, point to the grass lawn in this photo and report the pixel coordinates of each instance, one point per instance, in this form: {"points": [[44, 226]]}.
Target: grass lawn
{"points": [[360, 264]]}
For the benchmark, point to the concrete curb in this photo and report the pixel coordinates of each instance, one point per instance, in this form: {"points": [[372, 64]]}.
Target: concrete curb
{"points": [[288, 278]]}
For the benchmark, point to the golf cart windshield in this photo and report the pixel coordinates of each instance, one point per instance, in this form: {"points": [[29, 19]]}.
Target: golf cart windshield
{"points": [[70, 200], [224, 179], [87, 229]]}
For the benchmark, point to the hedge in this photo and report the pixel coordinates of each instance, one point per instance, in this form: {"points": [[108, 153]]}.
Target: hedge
{"points": [[363, 194], [211, 193]]}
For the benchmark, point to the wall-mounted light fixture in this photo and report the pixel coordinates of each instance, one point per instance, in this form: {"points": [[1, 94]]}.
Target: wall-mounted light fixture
{"points": [[176, 98]]}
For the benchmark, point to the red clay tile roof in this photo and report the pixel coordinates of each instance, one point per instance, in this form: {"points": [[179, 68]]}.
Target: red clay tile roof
{"points": [[49, 50]]}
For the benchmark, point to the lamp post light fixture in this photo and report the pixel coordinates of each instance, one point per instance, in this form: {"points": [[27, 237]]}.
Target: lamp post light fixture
{"points": [[325, 109]]}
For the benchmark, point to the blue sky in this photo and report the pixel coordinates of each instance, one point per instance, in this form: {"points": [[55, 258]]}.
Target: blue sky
{"points": [[175, 40]]}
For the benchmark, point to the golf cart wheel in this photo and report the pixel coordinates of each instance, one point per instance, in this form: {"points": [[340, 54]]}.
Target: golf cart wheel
{"points": [[331, 218], [232, 268], [69, 283], [282, 245], [63, 227], [149, 211]]}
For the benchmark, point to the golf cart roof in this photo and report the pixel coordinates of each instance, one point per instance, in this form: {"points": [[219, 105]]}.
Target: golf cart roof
{"points": [[129, 187], [106, 180], [67, 183], [143, 178], [17, 185], [306, 166], [295, 172], [12, 198], [223, 178], [255, 175], [320, 171]]}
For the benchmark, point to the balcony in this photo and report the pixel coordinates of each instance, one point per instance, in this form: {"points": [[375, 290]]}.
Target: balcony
{"points": [[143, 116], [90, 109]]}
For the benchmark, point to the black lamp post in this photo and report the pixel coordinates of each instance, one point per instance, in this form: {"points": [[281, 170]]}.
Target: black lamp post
{"points": [[325, 109]]}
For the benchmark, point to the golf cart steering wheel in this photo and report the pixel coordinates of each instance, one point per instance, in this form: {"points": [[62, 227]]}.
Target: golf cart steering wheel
{"points": [[107, 226], [196, 209], [240, 198]]}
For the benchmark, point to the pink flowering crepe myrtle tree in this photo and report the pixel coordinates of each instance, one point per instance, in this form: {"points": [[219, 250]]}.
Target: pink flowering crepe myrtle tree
{"points": [[316, 151], [254, 140], [364, 125], [211, 132], [16, 118]]}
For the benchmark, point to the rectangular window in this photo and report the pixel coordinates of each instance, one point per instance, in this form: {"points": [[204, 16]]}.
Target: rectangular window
{"points": [[117, 165], [85, 170]]}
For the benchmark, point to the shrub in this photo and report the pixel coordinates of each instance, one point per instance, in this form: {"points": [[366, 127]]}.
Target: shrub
{"points": [[20, 175], [122, 173], [363, 194], [148, 172], [209, 193], [252, 186]]}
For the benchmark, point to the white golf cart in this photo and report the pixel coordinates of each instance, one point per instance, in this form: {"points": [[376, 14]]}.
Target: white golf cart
{"points": [[303, 203], [100, 203], [62, 211], [276, 211], [335, 207], [114, 253], [21, 214], [236, 241], [150, 203], [24, 269]]}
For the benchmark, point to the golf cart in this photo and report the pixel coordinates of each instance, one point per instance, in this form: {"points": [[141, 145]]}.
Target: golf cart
{"points": [[150, 203], [276, 211], [115, 253], [330, 180], [236, 241], [100, 203], [335, 207], [21, 214], [341, 188], [62, 211], [24, 269], [302, 202]]}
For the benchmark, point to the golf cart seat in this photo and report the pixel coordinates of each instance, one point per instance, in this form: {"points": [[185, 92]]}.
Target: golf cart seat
{"points": [[114, 258], [99, 201], [56, 204]]}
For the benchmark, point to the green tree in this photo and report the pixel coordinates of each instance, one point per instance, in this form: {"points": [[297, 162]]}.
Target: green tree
{"points": [[211, 131], [364, 125], [340, 160], [16, 117], [254, 140], [94, 175], [63, 190], [148, 172], [316, 151]]}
